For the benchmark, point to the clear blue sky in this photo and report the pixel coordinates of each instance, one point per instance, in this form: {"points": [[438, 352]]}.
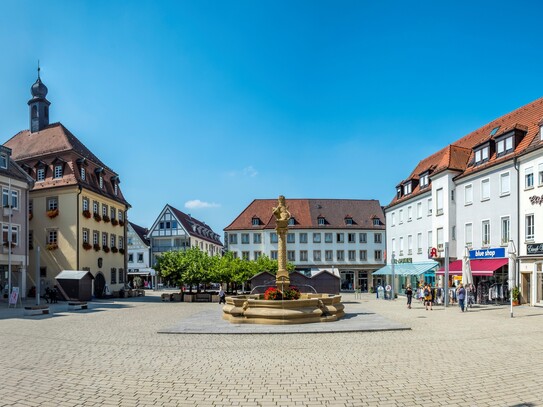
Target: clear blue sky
{"points": [[222, 102]]}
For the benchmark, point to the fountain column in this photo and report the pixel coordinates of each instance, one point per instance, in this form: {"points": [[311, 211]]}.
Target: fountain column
{"points": [[282, 215]]}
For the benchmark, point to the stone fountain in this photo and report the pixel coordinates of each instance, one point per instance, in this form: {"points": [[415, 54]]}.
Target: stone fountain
{"points": [[309, 308]]}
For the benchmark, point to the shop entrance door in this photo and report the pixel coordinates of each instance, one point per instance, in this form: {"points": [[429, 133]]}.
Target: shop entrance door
{"points": [[525, 288], [363, 282], [347, 280]]}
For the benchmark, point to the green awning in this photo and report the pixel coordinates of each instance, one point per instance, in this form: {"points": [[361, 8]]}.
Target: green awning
{"points": [[407, 269]]}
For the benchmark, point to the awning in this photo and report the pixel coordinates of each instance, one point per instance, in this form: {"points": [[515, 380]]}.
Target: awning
{"points": [[142, 272], [407, 269], [479, 267]]}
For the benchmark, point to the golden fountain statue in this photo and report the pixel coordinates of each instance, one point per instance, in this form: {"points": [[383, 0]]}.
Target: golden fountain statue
{"points": [[282, 216], [309, 308]]}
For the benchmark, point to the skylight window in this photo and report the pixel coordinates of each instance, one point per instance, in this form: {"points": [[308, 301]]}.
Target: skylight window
{"points": [[494, 130]]}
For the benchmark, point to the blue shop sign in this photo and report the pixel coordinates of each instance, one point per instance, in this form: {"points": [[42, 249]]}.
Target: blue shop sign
{"points": [[487, 253]]}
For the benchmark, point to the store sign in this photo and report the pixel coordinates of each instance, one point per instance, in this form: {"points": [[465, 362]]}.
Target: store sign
{"points": [[534, 248], [406, 260], [536, 200], [432, 253], [487, 253]]}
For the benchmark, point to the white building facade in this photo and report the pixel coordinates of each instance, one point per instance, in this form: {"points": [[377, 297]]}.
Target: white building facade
{"points": [[344, 237], [478, 196]]}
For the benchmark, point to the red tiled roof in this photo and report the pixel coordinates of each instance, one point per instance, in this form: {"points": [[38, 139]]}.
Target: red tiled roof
{"points": [[195, 227], [307, 211], [459, 155], [54, 144]]}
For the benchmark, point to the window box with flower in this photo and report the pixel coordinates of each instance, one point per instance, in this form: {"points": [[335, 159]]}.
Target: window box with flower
{"points": [[53, 213], [51, 246], [121, 222], [114, 249], [105, 218], [121, 250], [97, 217], [96, 247], [87, 214], [114, 222], [105, 248], [87, 246]]}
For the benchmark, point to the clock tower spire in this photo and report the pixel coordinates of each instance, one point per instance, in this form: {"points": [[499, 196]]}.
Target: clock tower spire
{"points": [[39, 105]]}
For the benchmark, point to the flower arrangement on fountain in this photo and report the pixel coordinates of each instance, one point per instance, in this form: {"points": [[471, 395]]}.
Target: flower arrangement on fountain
{"points": [[273, 293]]}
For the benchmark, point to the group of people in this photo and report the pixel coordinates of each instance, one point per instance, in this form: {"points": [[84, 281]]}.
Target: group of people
{"points": [[426, 295]]}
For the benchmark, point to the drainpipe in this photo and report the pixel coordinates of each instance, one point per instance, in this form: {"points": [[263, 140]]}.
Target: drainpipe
{"points": [[78, 248], [516, 165]]}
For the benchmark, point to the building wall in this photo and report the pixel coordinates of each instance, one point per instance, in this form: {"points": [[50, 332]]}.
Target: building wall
{"points": [[70, 254], [419, 223], [19, 253]]}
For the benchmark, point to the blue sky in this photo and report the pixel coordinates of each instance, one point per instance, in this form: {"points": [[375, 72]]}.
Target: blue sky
{"points": [[207, 105]]}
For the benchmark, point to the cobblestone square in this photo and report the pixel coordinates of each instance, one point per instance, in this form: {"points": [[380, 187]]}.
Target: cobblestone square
{"points": [[112, 355]]}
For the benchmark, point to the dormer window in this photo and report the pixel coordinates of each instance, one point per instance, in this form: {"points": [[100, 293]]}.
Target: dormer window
{"points": [[376, 222], [83, 173], [58, 171], [255, 221], [101, 181], [100, 174], [504, 145], [291, 222], [424, 180], [398, 192], [115, 189], [3, 160], [407, 188], [321, 221], [482, 154], [348, 220], [40, 174]]}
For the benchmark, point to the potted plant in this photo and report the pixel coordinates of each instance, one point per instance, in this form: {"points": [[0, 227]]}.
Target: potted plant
{"points": [[52, 246], [105, 218], [114, 249], [121, 250], [96, 247], [114, 222], [97, 217], [53, 213], [86, 214], [515, 294], [121, 222], [105, 248], [87, 246]]}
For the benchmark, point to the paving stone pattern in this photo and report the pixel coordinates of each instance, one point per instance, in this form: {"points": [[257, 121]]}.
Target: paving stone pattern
{"points": [[112, 355]]}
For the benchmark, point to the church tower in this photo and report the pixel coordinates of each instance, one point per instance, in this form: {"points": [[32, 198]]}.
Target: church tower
{"points": [[39, 106]]}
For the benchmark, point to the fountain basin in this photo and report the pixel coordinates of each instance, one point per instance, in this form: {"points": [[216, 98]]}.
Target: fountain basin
{"points": [[310, 308]]}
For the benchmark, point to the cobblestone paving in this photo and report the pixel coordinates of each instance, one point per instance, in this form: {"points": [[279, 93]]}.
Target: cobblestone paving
{"points": [[112, 355]]}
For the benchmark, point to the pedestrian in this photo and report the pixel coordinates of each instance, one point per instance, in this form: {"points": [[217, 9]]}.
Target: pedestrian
{"points": [[409, 294], [461, 295], [427, 297], [222, 296]]}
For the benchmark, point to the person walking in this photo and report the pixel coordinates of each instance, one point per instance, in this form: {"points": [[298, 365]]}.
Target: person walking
{"points": [[222, 296], [461, 296], [427, 297], [409, 294]]}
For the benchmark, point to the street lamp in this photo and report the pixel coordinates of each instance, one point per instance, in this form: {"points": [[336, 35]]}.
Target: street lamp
{"points": [[512, 252]]}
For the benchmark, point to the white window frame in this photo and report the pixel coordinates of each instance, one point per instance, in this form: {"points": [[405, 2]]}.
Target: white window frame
{"points": [[505, 223], [485, 233], [505, 184], [529, 178], [530, 227], [439, 202], [40, 174], [485, 189], [57, 171], [468, 194]]}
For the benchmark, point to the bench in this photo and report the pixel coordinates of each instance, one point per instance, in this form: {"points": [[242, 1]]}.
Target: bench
{"points": [[202, 297], [76, 305], [36, 310]]}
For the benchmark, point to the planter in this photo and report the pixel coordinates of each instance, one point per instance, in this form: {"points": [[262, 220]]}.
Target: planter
{"points": [[97, 217], [114, 222], [516, 303], [52, 213], [121, 251], [114, 249], [105, 248], [87, 246], [87, 214], [96, 247], [52, 246], [105, 218]]}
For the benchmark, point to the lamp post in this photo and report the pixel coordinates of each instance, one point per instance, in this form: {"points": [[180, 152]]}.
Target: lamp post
{"points": [[446, 282], [512, 252], [393, 277]]}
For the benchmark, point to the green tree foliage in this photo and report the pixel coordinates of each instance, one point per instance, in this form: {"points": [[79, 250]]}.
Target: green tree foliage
{"points": [[194, 266]]}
